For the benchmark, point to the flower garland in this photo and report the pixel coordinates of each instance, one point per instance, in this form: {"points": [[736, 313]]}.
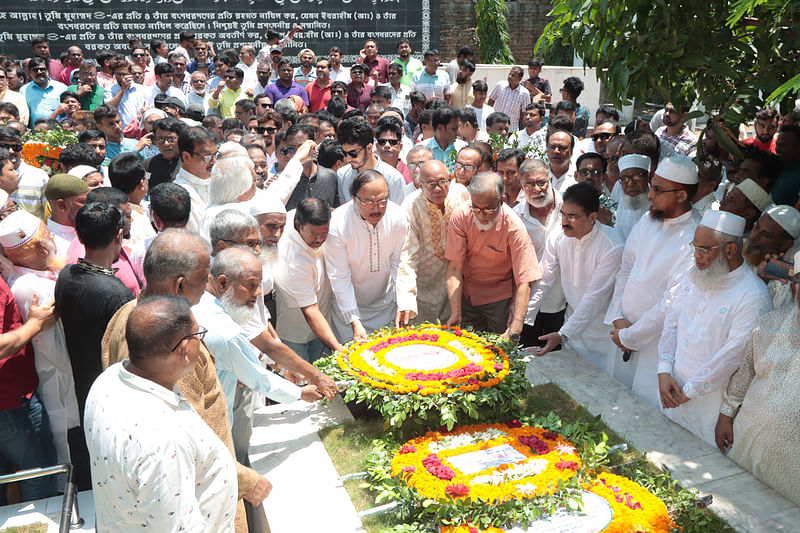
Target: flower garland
{"points": [[477, 364], [465, 528], [635, 508], [42, 155], [532, 462]]}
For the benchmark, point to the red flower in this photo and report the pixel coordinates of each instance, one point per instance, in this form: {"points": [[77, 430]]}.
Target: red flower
{"points": [[514, 424], [473, 381], [457, 490], [408, 448], [549, 435], [473, 530], [434, 466], [409, 468], [536, 444], [572, 465], [498, 366]]}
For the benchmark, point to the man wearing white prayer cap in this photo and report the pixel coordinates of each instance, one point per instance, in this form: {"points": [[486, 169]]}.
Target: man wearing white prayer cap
{"points": [[30, 246], [634, 176], [774, 233], [708, 322], [748, 200], [657, 255]]}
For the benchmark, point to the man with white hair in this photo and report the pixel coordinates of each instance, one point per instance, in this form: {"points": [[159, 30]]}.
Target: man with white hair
{"points": [[708, 324], [541, 214], [657, 254], [421, 285], [231, 185], [584, 260], [634, 176], [492, 261], [362, 256]]}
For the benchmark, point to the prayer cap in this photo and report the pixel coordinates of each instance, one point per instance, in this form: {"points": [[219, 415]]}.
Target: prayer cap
{"points": [[153, 111], [634, 161], [17, 229], [787, 217], [755, 193], [64, 186], [264, 203], [724, 222], [81, 171], [678, 169]]}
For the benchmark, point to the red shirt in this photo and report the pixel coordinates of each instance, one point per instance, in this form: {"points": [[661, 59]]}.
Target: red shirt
{"points": [[380, 64], [318, 97], [766, 147], [18, 377]]}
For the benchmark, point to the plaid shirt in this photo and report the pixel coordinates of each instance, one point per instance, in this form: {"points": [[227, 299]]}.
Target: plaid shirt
{"points": [[512, 102], [684, 143]]}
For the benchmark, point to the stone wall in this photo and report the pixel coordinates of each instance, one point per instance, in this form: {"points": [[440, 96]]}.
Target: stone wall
{"points": [[526, 20]]}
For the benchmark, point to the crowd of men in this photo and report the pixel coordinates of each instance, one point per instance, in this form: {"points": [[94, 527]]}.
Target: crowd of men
{"points": [[227, 218]]}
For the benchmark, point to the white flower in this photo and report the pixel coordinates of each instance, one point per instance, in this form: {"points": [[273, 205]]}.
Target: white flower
{"points": [[527, 489]]}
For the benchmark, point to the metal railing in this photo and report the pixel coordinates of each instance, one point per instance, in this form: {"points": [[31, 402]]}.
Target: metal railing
{"points": [[70, 517]]}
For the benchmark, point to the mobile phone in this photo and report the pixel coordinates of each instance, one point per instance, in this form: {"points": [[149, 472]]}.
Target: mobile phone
{"points": [[779, 269]]}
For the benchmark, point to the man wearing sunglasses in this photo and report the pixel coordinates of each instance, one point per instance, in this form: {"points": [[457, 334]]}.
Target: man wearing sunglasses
{"points": [[13, 97], [228, 92], [42, 94], [269, 122], [315, 181], [32, 180]]}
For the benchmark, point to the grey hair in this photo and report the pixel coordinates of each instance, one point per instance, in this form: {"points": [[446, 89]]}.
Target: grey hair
{"points": [[533, 166], [420, 148], [230, 224], [230, 263], [484, 182], [230, 178], [725, 238], [173, 253]]}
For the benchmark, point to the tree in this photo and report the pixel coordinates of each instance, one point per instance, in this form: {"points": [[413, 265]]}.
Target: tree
{"points": [[734, 56], [492, 33]]}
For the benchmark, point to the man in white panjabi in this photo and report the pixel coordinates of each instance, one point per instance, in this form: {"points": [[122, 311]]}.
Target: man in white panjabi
{"points": [[657, 254], [708, 323], [634, 176], [421, 284], [587, 256], [758, 419], [362, 256]]}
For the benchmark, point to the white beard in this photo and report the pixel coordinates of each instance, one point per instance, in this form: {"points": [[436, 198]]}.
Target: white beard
{"points": [[241, 314], [485, 227], [708, 278], [635, 203], [269, 257], [544, 201]]}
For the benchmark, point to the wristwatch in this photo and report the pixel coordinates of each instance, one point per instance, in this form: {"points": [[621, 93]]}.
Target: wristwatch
{"points": [[564, 338], [514, 337]]}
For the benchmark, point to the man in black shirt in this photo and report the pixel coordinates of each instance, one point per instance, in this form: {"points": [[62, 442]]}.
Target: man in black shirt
{"points": [[87, 296], [316, 181], [163, 167]]}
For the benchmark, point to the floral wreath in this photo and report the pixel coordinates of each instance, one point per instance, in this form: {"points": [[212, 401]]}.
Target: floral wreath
{"points": [[536, 461], [635, 508], [478, 364]]}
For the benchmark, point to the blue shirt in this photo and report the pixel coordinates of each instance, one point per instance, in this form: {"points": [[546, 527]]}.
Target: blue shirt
{"points": [[42, 102], [114, 149], [443, 154], [276, 91]]}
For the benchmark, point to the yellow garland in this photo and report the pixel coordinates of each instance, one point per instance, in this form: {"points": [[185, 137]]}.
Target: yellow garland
{"points": [[470, 529], [652, 517], [352, 361], [33, 151], [430, 486]]}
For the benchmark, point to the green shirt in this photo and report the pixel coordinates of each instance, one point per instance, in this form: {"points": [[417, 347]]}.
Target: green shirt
{"points": [[90, 101], [409, 69]]}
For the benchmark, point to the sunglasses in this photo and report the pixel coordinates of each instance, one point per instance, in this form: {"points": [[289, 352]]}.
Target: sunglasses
{"points": [[11, 147], [137, 55], [262, 130], [288, 150], [605, 136], [391, 142], [354, 153]]}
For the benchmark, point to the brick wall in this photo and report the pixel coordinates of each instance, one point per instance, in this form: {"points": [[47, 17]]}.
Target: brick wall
{"points": [[526, 20]]}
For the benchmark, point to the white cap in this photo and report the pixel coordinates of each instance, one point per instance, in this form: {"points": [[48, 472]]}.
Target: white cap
{"points": [[17, 229], [787, 217], [755, 193], [725, 222], [264, 203], [634, 161], [82, 171], [678, 169]]}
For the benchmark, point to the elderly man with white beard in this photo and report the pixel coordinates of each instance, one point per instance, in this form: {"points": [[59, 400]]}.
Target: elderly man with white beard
{"points": [[708, 323], [634, 176], [492, 262], [540, 212], [657, 255]]}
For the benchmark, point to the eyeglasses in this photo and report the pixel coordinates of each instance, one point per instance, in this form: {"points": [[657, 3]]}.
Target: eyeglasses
{"points": [[262, 130], [462, 166], [11, 147], [703, 251], [38, 69], [586, 172], [636, 178], [230, 77], [8, 210], [605, 136], [391, 142], [372, 203], [337, 92], [206, 158], [137, 55], [200, 334], [432, 185], [268, 106], [570, 216], [354, 153], [530, 185], [485, 210], [252, 245], [659, 191], [288, 150], [170, 139]]}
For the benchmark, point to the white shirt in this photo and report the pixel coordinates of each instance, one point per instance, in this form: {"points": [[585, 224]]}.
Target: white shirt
{"points": [[361, 261], [156, 465], [401, 97], [301, 280], [709, 201], [567, 179], [343, 74], [194, 98], [481, 113], [627, 217], [198, 194], [250, 77], [62, 235], [29, 195], [393, 178], [171, 91], [541, 235], [523, 137], [131, 103]]}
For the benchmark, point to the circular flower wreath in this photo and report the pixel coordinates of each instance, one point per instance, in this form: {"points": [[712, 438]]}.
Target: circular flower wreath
{"points": [[475, 363], [535, 461], [635, 508]]}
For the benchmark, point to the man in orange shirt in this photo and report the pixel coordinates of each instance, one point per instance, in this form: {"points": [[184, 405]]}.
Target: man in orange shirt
{"points": [[319, 90], [492, 261]]}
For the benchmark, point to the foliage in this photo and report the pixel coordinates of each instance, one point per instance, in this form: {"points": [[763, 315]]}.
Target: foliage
{"points": [[53, 137], [532, 151], [726, 54], [491, 31]]}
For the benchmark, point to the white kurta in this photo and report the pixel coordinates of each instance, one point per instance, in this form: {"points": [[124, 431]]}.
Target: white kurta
{"points": [[300, 280], [587, 268], [657, 255], [703, 341], [56, 386], [62, 236], [198, 195], [566, 180], [542, 235], [626, 218], [362, 260]]}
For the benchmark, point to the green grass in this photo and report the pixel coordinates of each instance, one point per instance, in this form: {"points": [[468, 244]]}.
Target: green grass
{"points": [[38, 527]]}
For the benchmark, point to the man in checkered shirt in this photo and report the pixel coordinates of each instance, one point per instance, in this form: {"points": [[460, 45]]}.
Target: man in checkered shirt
{"points": [[510, 97], [675, 134]]}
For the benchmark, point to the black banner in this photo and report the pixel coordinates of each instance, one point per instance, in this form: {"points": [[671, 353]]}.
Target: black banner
{"points": [[100, 24]]}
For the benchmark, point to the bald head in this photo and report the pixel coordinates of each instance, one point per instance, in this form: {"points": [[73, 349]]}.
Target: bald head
{"points": [[156, 325], [173, 253], [433, 170], [434, 181]]}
